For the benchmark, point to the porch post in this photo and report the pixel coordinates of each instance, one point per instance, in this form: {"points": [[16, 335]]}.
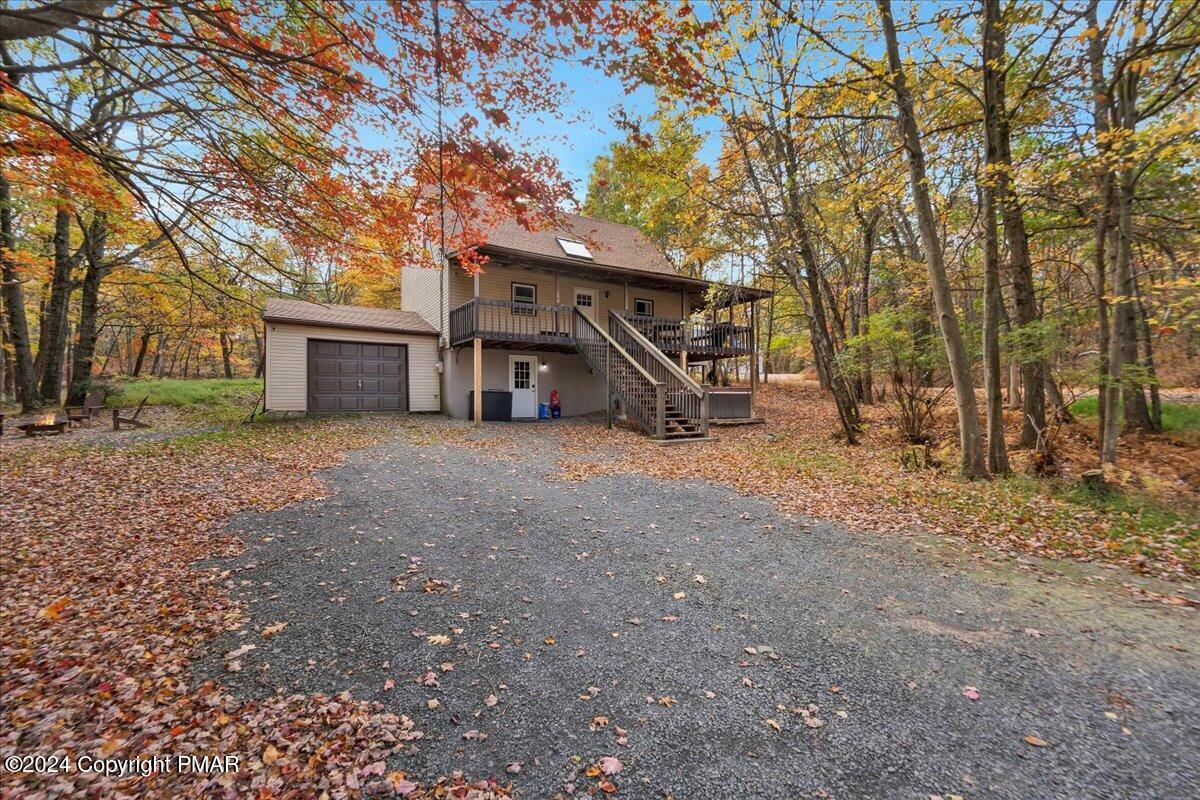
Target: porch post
{"points": [[753, 353], [478, 384]]}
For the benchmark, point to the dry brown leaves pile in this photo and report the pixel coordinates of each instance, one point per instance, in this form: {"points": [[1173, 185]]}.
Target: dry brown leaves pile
{"points": [[794, 459], [102, 607]]}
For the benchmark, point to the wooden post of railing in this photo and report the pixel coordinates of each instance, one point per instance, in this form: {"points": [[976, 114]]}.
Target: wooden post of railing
{"points": [[704, 414], [608, 398], [660, 412]]}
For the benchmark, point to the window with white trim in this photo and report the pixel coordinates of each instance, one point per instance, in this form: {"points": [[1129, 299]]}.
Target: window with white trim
{"points": [[643, 307], [524, 296]]}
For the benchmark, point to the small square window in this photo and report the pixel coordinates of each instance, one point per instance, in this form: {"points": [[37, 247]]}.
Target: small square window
{"points": [[524, 296], [577, 249], [643, 307]]}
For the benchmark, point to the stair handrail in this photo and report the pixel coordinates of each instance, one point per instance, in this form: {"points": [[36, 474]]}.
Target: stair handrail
{"points": [[613, 343], [653, 419], [674, 369]]}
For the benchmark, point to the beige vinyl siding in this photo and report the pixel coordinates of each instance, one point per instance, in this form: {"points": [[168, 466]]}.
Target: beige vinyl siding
{"points": [[496, 284], [287, 363], [419, 293]]}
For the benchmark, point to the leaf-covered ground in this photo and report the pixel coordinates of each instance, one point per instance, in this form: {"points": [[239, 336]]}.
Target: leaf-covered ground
{"points": [[103, 606], [1150, 525], [107, 597]]}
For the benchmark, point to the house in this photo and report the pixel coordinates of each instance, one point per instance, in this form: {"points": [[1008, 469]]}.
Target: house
{"points": [[587, 309]]}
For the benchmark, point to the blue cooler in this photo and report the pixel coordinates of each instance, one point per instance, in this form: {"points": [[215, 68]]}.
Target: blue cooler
{"points": [[543, 411]]}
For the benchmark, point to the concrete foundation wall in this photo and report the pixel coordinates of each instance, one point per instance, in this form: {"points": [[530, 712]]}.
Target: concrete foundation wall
{"points": [[579, 391]]}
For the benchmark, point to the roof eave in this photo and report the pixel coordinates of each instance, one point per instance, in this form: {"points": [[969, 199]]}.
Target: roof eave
{"points": [[349, 325]]}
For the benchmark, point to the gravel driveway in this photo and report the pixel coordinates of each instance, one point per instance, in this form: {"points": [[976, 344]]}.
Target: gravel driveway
{"points": [[714, 647]]}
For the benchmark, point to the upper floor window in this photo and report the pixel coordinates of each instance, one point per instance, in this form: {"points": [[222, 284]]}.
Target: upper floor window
{"points": [[524, 295], [577, 249], [643, 307]]}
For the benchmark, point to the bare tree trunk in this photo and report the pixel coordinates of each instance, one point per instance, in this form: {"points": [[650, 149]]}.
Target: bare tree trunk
{"points": [[156, 366], [864, 305], [970, 436], [1101, 110], [54, 337], [24, 374], [225, 354], [1122, 282], [89, 309], [1000, 175], [993, 106], [1155, 411], [143, 347]]}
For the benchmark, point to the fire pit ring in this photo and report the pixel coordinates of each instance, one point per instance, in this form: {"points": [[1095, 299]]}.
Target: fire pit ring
{"points": [[44, 426]]}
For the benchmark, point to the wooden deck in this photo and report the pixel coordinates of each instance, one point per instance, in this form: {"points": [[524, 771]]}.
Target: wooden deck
{"points": [[518, 326], [701, 340], [538, 326]]}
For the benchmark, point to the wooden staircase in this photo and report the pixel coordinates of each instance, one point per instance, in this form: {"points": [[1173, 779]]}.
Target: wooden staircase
{"points": [[655, 392], [680, 426]]}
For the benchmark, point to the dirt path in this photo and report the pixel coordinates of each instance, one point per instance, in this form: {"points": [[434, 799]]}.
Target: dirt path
{"points": [[713, 647]]}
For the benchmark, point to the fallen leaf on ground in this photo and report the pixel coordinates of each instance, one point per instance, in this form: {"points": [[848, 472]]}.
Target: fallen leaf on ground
{"points": [[271, 630]]}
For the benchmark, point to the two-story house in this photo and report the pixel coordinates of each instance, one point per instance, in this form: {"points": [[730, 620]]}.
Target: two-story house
{"points": [[588, 310]]}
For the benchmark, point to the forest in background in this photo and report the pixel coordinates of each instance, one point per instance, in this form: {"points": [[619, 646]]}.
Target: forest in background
{"points": [[985, 195]]}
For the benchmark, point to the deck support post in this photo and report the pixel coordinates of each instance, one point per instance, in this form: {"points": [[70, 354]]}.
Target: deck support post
{"points": [[753, 353], [478, 383]]}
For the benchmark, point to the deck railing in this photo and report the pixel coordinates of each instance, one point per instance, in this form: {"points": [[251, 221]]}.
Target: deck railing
{"points": [[642, 395], [701, 338], [687, 397], [536, 323]]}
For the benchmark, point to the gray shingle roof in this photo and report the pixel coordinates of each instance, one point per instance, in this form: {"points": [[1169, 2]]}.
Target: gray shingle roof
{"points": [[611, 244], [279, 309]]}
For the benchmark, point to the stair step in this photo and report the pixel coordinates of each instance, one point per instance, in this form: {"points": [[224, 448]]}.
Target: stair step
{"points": [[682, 434]]}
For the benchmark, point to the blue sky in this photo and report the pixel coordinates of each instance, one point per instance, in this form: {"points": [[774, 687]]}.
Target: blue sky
{"points": [[594, 97]]}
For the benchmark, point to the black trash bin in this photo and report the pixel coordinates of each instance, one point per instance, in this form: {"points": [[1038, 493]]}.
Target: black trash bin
{"points": [[497, 406]]}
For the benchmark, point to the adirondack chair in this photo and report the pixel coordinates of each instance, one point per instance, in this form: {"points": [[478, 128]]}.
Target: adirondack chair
{"points": [[84, 414], [120, 419]]}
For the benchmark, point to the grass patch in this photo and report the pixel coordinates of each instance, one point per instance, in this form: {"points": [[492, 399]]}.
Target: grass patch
{"points": [[809, 463], [1133, 522], [1175, 416], [217, 399]]}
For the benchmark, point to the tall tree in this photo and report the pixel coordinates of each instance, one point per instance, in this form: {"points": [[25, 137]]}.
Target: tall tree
{"points": [[24, 373], [973, 463], [993, 111], [1000, 173]]}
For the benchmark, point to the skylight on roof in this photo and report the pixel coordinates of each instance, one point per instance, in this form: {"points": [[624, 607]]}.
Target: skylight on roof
{"points": [[577, 249]]}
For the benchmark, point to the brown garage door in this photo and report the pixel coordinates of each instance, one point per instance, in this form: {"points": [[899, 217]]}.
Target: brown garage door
{"points": [[356, 376]]}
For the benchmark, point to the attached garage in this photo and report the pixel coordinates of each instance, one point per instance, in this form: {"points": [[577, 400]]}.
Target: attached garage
{"points": [[332, 359]]}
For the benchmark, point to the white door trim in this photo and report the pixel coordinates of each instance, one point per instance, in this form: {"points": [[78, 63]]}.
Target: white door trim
{"points": [[592, 310], [524, 401]]}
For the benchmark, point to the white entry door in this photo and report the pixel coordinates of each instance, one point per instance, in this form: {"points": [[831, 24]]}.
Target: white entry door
{"points": [[522, 382], [585, 301]]}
